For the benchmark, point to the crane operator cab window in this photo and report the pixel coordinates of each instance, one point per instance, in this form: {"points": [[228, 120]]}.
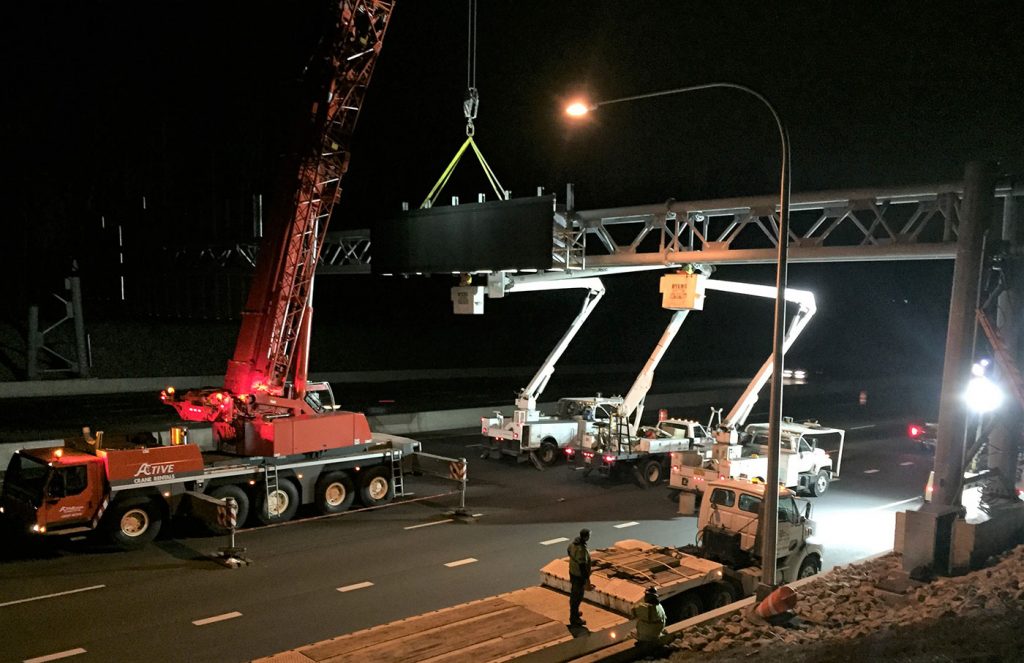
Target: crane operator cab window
{"points": [[67, 481]]}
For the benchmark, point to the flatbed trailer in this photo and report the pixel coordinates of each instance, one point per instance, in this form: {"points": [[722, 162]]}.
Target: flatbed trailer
{"points": [[505, 627]]}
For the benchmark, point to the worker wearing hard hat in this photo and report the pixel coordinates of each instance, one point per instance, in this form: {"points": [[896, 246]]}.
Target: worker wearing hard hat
{"points": [[579, 576], [650, 620]]}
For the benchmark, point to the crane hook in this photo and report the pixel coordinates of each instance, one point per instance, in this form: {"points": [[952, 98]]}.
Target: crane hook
{"points": [[470, 106]]}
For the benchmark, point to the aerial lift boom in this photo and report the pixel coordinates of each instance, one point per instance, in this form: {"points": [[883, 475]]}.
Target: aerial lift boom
{"points": [[527, 397]]}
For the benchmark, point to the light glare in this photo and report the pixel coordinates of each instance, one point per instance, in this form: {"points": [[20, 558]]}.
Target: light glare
{"points": [[577, 109], [983, 395]]}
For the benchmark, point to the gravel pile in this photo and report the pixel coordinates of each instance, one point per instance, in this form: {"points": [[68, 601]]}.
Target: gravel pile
{"points": [[868, 601]]}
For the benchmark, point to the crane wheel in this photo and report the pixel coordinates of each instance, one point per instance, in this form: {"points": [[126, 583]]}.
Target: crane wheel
{"points": [[133, 523], [334, 492], [280, 505], [375, 488]]}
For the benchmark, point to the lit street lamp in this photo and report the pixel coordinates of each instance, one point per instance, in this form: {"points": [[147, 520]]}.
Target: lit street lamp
{"points": [[771, 501]]}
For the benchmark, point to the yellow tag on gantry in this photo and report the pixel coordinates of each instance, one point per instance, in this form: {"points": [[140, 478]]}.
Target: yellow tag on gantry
{"points": [[682, 291]]}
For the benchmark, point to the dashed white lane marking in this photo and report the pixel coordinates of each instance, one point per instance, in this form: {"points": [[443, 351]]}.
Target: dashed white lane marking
{"points": [[551, 542], [78, 538], [50, 596], [461, 562], [56, 657], [217, 618], [358, 585], [892, 504], [624, 525], [870, 471], [477, 515], [431, 524], [861, 427], [905, 463]]}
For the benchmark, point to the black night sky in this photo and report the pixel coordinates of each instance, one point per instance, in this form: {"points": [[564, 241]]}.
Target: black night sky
{"points": [[190, 105]]}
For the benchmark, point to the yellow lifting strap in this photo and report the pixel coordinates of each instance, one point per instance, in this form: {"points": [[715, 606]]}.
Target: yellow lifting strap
{"points": [[446, 175]]}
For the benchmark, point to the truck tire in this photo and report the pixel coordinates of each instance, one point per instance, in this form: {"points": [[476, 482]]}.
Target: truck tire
{"points": [[375, 488], [809, 567], [720, 594], [548, 453], [134, 522], [686, 606], [653, 472], [241, 499], [334, 492], [283, 502], [820, 483]]}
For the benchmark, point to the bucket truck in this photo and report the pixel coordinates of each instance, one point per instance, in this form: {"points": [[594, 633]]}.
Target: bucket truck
{"points": [[529, 434], [743, 453], [616, 442]]}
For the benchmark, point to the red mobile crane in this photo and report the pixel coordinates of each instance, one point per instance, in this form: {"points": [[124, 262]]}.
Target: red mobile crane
{"points": [[281, 439], [267, 406]]}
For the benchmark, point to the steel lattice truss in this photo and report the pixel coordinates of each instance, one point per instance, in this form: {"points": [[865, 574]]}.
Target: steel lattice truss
{"points": [[276, 322], [829, 226]]}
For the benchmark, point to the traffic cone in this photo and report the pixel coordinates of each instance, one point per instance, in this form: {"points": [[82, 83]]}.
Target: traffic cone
{"points": [[779, 601]]}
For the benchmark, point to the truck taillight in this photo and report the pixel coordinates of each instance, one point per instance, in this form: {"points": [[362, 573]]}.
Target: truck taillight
{"points": [[913, 430], [570, 452], [608, 458]]}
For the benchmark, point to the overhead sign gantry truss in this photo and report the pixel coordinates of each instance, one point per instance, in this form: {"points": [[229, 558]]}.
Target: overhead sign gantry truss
{"points": [[918, 223]]}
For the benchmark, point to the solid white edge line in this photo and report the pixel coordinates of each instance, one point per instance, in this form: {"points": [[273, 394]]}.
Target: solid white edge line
{"points": [[358, 585], [862, 427], [892, 504], [50, 596], [906, 463], [468, 560], [57, 656], [216, 618], [551, 542], [629, 524], [431, 524]]}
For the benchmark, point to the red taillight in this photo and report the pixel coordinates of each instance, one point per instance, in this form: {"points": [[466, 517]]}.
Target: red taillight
{"points": [[914, 430], [608, 458], [569, 451]]}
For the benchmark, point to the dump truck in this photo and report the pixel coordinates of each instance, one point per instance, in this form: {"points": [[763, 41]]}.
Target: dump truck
{"points": [[720, 568]]}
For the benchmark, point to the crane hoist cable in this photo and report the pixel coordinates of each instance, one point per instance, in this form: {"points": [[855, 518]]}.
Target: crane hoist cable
{"points": [[470, 106]]}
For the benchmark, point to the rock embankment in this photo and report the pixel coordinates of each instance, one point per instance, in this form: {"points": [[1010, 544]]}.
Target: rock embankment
{"points": [[872, 601]]}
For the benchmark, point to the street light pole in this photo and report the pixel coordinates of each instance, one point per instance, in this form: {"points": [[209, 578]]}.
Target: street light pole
{"points": [[771, 493]]}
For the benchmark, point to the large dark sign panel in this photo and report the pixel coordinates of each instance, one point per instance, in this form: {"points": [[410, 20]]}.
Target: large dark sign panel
{"points": [[508, 234]]}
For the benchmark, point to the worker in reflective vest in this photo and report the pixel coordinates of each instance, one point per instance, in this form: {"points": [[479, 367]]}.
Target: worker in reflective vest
{"points": [[579, 575], [650, 620]]}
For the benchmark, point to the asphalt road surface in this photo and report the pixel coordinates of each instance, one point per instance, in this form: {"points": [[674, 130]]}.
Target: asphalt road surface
{"points": [[316, 578]]}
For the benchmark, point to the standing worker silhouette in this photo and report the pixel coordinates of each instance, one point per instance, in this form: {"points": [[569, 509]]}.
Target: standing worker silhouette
{"points": [[579, 575]]}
